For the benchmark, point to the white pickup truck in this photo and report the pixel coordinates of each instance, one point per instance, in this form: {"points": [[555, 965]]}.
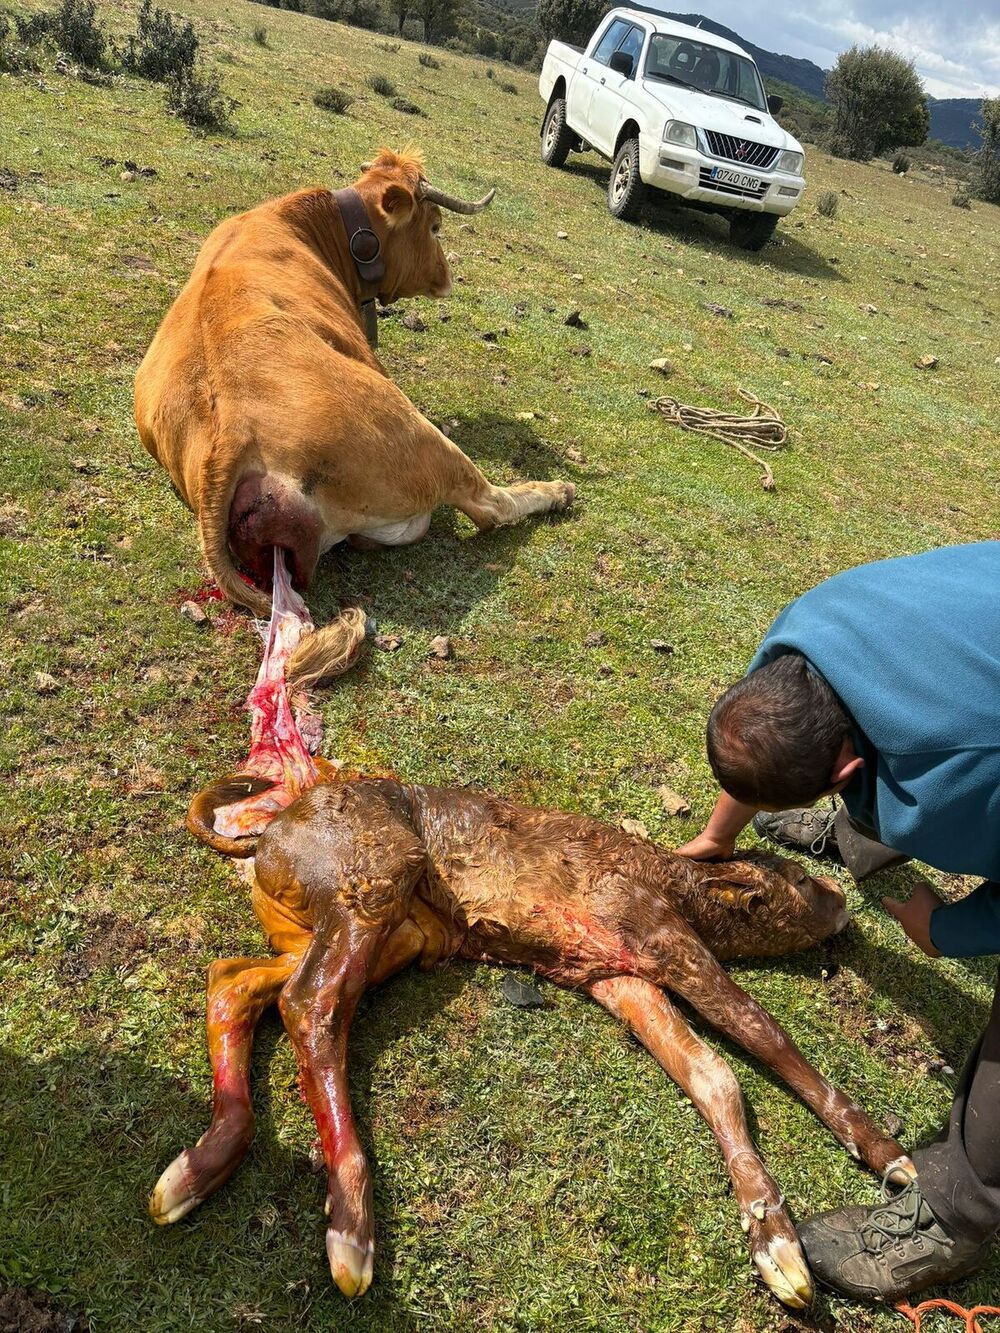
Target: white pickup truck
{"points": [[676, 108]]}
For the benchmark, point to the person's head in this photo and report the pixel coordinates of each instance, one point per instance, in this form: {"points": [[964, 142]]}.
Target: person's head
{"points": [[780, 737]]}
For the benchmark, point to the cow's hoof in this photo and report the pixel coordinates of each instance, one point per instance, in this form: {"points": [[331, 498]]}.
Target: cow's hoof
{"points": [[352, 1262], [782, 1265], [174, 1195]]}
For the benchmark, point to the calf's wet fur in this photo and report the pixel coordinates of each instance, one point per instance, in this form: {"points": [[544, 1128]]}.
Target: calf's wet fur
{"points": [[355, 880]]}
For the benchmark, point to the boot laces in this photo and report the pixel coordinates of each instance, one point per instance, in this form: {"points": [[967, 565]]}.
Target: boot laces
{"points": [[818, 844], [902, 1217]]}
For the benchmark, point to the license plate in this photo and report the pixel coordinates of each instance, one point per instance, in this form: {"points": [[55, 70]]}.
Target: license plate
{"points": [[726, 177]]}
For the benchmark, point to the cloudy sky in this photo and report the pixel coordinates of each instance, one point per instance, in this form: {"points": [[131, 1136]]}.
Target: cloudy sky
{"points": [[955, 44]]}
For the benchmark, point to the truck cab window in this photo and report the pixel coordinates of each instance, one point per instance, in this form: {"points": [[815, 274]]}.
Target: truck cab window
{"points": [[609, 42], [632, 46]]}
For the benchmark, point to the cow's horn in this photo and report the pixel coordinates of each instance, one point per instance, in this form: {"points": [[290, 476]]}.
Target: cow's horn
{"points": [[435, 196]]}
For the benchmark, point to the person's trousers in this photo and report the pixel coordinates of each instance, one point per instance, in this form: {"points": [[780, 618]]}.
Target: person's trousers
{"points": [[959, 1173]]}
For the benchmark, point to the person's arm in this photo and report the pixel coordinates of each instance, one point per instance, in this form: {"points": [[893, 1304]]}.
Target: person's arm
{"points": [[966, 929], [717, 840]]}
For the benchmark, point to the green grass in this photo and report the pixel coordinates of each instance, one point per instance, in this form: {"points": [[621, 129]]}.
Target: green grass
{"points": [[532, 1170]]}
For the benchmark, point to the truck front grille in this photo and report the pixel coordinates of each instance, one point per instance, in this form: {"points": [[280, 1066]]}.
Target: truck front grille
{"points": [[743, 151], [706, 183]]}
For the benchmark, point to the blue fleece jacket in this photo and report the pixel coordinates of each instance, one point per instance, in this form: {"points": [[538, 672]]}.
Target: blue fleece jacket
{"points": [[911, 647]]}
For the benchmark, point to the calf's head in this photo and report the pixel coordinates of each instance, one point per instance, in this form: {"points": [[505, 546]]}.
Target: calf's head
{"points": [[406, 210], [764, 906]]}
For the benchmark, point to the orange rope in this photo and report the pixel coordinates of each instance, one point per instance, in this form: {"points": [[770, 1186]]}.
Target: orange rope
{"points": [[915, 1314]]}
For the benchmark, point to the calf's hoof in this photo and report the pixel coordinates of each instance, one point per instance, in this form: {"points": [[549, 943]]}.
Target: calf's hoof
{"points": [[352, 1261], [782, 1266], [565, 494]]}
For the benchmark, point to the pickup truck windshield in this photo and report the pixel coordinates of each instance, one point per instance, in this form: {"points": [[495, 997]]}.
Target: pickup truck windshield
{"points": [[709, 69]]}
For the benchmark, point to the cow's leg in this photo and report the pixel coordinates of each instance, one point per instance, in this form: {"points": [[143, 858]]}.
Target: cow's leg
{"points": [[239, 990], [693, 973], [317, 1006], [492, 506], [713, 1088]]}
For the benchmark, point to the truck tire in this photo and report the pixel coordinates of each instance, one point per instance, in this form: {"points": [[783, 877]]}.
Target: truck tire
{"points": [[626, 192], [557, 137], [752, 231]]}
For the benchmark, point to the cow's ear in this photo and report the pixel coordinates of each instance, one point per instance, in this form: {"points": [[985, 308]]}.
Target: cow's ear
{"points": [[398, 204]]}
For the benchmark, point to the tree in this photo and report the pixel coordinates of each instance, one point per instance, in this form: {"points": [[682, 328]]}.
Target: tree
{"points": [[570, 20], [400, 9], [986, 166], [439, 17], [878, 103]]}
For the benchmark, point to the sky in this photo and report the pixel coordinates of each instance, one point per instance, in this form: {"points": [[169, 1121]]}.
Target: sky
{"points": [[955, 44]]}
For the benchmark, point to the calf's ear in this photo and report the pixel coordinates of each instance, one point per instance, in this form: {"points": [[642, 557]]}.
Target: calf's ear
{"points": [[397, 204]]}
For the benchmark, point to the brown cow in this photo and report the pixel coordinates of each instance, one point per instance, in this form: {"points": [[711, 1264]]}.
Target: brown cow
{"points": [[262, 398]]}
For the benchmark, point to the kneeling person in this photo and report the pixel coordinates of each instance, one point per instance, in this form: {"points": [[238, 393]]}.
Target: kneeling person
{"points": [[882, 685]]}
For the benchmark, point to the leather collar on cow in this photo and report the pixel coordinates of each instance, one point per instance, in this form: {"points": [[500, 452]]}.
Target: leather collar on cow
{"points": [[366, 251]]}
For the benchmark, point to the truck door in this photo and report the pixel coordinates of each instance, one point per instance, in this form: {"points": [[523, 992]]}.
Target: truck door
{"points": [[584, 82], [611, 91]]}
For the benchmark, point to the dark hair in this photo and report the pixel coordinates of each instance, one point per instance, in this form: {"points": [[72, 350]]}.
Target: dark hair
{"points": [[774, 736]]}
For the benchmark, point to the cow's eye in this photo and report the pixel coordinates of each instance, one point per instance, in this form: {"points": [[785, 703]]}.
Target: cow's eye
{"points": [[435, 228]]}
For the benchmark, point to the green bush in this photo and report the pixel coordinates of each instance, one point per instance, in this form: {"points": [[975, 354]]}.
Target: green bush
{"points": [[878, 103], [986, 165], [961, 198], [333, 99], [827, 204], [569, 20], [406, 106], [260, 34], [378, 83], [161, 48], [73, 27], [196, 97], [901, 164], [392, 48], [428, 61], [507, 87]]}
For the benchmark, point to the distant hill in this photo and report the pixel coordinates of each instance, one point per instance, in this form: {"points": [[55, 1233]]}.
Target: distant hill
{"points": [[957, 121]]}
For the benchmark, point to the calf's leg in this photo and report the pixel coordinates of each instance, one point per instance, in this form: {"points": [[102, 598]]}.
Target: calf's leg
{"points": [[239, 990], [713, 1089], [696, 976]]}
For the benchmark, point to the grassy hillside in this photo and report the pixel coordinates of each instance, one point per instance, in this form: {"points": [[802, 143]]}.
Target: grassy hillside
{"points": [[533, 1170]]}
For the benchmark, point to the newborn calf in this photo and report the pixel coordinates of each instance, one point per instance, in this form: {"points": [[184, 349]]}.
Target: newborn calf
{"points": [[357, 879]]}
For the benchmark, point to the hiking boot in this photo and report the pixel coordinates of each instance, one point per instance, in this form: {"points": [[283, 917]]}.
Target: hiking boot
{"points": [[886, 1252], [807, 830]]}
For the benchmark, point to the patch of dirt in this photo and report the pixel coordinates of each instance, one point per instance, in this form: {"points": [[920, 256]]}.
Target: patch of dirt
{"points": [[12, 521], [898, 1039], [113, 943], [24, 1311]]}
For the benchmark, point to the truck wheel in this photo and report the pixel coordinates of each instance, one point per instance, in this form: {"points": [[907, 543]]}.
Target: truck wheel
{"points": [[626, 191], [752, 231], [557, 137]]}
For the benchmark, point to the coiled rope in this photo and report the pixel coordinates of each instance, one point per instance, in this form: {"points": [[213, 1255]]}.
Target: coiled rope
{"points": [[915, 1314], [763, 428]]}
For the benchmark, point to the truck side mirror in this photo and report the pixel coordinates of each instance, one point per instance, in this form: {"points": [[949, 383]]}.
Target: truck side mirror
{"points": [[621, 63], [775, 103]]}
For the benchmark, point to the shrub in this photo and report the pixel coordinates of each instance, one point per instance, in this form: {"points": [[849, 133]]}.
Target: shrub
{"points": [[986, 166], [260, 34], [378, 83], [333, 99], [74, 27], [391, 47], [569, 20], [490, 72], [901, 164], [405, 105], [196, 96], [31, 29], [878, 103], [428, 61], [507, 87], [827, 204], [160, 48], [961, 198], [14, 53]]}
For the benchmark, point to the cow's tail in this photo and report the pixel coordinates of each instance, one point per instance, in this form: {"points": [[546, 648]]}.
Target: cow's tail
{"points": [[321, 655]]}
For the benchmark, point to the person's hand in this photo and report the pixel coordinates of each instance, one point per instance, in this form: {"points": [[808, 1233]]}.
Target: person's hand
{"points": [[915, 915], [708, 847]]}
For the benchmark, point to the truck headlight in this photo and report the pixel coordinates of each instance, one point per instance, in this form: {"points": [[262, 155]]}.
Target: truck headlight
{"points": [[679, 131], [790, 161]]}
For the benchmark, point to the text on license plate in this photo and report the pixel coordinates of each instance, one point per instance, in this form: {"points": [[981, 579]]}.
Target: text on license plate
{"points": [[726, 177]]}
